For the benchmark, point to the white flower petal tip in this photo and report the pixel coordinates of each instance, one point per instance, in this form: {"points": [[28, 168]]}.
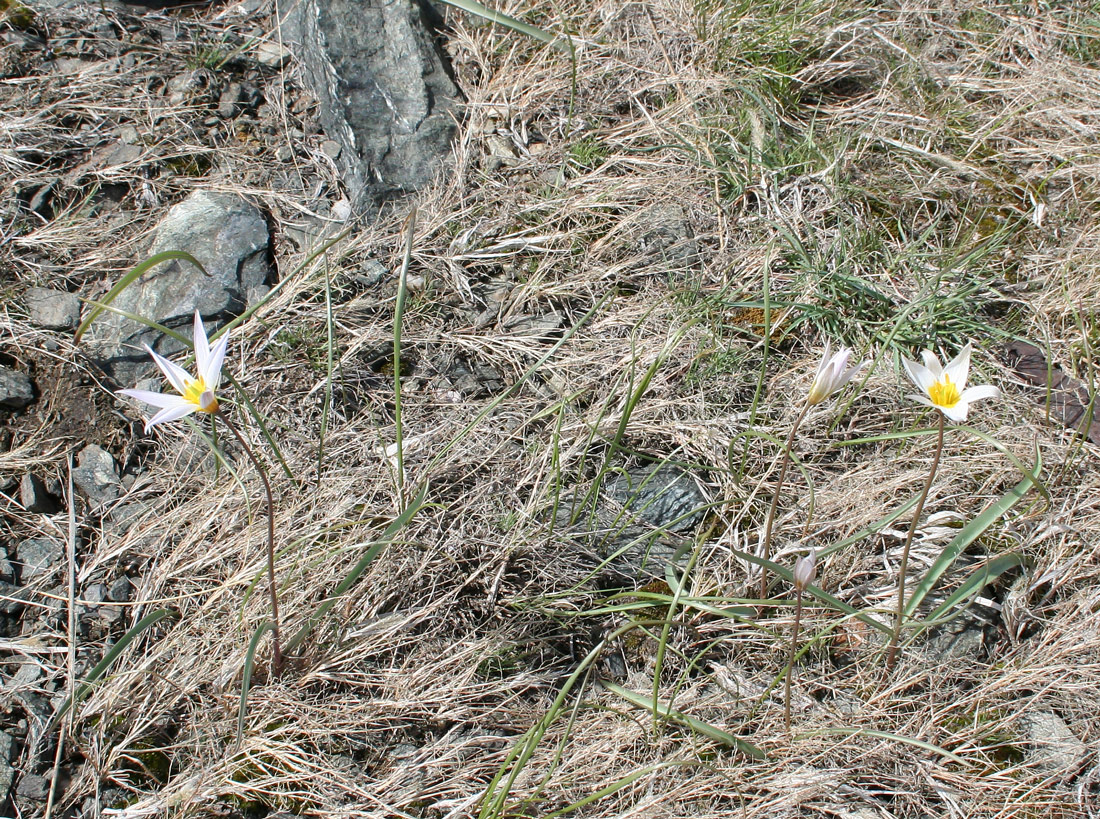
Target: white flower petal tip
{"points": [[944, 388], [805, 570], [833, 373], [197, 393]]}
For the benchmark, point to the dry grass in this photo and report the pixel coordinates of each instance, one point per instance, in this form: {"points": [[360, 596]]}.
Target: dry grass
{"points": [[942, 157]]}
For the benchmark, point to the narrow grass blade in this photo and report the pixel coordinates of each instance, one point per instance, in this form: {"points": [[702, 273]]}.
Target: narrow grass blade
{"points": [[398, 313], [981, 577], [112, 654], [133, 275], [870, 732], [677, 587], [486, 13], [967, 535], [977, 433], [368, 557], [494, 800], [246, 675], [619, 784], [691, 723], [326, 407]]}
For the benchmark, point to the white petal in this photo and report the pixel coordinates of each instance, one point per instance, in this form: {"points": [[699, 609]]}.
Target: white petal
{"points": [[176, 375], [922, 399], [212, 374], [824, 362], [956, 413], [170, 414], [959, 368], [840, 360], [156, 399], [919, 375], [932, 362], [978, 393], [202, 346], [848, 376]]}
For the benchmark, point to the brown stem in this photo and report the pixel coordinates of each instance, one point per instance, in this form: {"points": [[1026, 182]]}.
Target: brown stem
{"points": [[790, 658], [767, 548], [277, 660], [892, 653]]}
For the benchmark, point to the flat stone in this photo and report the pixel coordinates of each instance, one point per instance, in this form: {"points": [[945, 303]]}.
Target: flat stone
{"points": [[12, 598], [52, 309], [95, 594], [7, 571], [272, 55], [1054, 749], [668, 238], [35, 497], [229, 237], [16, 389], [641, 518], [39, 557], [123, 516], [96, 476], [33, 787], [120, 590]]}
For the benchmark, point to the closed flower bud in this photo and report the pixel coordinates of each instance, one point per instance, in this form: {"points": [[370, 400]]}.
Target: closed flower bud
{"points": [[805, 570]]}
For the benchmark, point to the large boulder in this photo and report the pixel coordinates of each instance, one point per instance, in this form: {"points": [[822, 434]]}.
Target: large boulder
{"points": [[385, 94], [224, 232]]}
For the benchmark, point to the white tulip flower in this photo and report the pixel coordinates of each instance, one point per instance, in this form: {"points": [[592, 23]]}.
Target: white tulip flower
{"points": [[832, 374], [944, 388], [196, 394]]}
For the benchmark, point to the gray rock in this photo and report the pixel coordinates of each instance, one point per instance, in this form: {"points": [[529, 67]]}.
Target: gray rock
{"points": [[34, 788], [95, 593], [7, 772], [228, 102], [35, 497], [1054, 749], [16, 389], [123, 516], [229, 237], [272, 55], [961, 638], [52, 309], [12, 598], [545, 326], [7, 571], [39, 557], [385, 93], [472, 379], [120, 590], [668, 238], [641, 517], [96, 476]]}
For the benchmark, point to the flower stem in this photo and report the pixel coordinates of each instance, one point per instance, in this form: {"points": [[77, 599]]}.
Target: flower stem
{"points": [[790, 658], [892, 653], [277, 660], [767, 548]]}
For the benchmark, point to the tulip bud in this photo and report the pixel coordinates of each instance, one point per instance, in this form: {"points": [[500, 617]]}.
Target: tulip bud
{"points": [[805, 570]]}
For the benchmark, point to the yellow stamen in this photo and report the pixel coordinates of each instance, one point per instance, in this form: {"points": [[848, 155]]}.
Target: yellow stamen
{"points": [[197, 393], [945, 394]]}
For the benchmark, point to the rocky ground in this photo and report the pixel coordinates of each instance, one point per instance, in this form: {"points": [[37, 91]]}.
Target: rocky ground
{"points": [[625, 261]]}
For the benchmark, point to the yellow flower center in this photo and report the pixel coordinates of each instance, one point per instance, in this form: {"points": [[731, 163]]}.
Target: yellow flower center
{"points": [[944, 394], [198, 394]]}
